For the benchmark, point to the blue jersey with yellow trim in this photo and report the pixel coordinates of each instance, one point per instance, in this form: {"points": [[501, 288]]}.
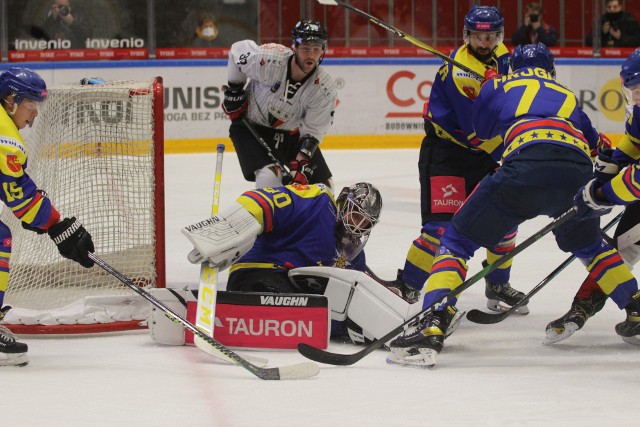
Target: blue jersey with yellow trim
{"points": [[19, 193], [453, 92], [530, 107], [625, 187], [298, 223]]}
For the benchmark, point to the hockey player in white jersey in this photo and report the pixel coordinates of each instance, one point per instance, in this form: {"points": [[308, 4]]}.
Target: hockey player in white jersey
{"points": [[289, 99]]}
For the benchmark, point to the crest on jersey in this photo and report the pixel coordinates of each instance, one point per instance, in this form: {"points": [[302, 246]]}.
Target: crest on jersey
{"points": [[13, 164], [278, 116]]}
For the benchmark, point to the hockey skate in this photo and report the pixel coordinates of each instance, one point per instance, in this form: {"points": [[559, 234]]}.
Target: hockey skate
{"points": [[629, 330], [12, 352], [420, 348], [581, 310], [501, 296]]}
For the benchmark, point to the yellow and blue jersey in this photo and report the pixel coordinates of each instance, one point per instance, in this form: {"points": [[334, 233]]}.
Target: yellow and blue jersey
{"points": [[530, 107], [298, 223], [19, 193], [625, 187], [453, 92]]}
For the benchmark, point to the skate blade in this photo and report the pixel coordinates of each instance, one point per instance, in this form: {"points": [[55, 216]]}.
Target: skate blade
{"points": [[634, 340], [14, 359], [426, 358], [500, 307], [554, 336]]}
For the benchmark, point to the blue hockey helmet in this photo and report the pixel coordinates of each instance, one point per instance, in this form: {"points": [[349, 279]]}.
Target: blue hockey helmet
{"points": [[307, 31], [533, 55], [484, 19], [22, 83], [630, 78], [630, 71]]}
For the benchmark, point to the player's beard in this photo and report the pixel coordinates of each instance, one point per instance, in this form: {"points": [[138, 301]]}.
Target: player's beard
{"points": [[483, 54], [310, 64]]}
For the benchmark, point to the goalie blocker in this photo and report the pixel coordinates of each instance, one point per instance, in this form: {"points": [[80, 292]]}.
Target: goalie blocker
{"points": [[282, 321]]}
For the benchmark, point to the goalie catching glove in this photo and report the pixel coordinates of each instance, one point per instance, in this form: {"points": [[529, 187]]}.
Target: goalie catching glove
{"points": [[224, 238], [73, 241]]}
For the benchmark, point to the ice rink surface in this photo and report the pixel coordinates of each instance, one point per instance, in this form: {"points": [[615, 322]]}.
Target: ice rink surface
{"points": [[487, 375]]}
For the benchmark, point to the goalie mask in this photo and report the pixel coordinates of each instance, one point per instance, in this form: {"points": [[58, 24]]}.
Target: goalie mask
{"points": [[630, 78], [359, 209]]}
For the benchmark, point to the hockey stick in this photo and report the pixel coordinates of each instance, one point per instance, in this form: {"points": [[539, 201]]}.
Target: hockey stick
{"points": [[289, 372], [206, 312], [403, 35], [484, 318], [323, 356], [286, 176]]}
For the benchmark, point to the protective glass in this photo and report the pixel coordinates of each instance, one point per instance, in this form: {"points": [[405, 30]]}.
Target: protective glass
{"points": [[477, 37], [631, 95]]}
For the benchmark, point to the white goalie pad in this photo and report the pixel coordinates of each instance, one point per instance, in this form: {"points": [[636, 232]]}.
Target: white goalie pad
{"points": [[162, 329], [224, 238], [356, 295], [629, 250]]}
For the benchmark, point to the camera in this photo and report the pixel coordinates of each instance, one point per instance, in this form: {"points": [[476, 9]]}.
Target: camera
{"points": [[64, 10], [534, 18]]}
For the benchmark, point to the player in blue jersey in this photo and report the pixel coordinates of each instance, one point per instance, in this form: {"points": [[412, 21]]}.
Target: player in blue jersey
{"points": [[545, 141], [21, 92], [308, 229], [269, 231], [450, 165], [607, 189]]}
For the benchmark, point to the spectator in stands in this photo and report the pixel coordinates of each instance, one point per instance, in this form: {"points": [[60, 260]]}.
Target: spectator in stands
{"points": [[66, 23], [206, 33], [533, 29], [617, 27]]}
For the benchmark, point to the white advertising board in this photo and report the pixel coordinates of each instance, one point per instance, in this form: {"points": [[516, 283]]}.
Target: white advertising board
{"points": [[376, 97]]}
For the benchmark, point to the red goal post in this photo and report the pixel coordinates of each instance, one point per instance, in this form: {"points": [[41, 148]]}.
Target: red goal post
{"points": [[98, 151]]}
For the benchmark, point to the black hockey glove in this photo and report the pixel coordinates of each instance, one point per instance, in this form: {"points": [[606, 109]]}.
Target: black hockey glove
{"points": [[301, 171], [235, 101], [73, 241]]}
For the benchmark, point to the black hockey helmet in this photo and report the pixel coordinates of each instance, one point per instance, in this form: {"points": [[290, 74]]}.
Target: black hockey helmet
{"points": [[307, 31]]}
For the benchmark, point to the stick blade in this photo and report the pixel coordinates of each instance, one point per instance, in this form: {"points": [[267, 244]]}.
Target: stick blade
{"points": [[321, 356], [299, 371], [328, 2], [483, 318]]}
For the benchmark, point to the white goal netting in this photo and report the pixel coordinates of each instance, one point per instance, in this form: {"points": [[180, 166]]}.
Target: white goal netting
{"points": [[97, 152]]}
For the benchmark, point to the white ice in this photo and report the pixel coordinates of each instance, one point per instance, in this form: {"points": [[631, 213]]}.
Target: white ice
{"points": [[487, 375]]}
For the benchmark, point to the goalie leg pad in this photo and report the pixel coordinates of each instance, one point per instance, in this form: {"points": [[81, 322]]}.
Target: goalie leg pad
{"points": [[224, 238], [162, 329], [356, 295]]}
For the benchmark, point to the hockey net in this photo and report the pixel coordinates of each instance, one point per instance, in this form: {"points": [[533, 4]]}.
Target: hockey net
{"points": [[97, 150]]}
